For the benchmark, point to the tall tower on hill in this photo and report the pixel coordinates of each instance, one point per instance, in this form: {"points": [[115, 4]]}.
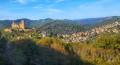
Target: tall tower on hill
{"points": [[13, 22], [22, 24]]}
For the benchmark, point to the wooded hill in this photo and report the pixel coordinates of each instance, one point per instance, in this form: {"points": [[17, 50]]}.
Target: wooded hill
{"points": [[61, 27]]}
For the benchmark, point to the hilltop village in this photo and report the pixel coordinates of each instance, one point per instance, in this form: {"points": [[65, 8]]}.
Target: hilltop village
{"points": [[82, 36], [75, 37]]}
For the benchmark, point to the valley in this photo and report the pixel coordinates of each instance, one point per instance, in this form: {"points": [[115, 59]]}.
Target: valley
{"points": [[59, 42]]}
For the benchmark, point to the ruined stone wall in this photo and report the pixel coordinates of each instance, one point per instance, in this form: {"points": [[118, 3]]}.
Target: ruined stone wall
{"points": [[8, 30], [15, 26]]}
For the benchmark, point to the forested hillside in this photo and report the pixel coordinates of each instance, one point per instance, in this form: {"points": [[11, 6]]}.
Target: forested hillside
{"points": [[108, 21], [61, 27], [93, 20], [5, 24], [69, 26]]}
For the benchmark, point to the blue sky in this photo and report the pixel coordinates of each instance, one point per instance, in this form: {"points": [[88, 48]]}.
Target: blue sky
{"points": [[58, 9]]}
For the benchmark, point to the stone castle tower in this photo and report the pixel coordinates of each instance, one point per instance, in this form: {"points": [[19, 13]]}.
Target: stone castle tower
{"points": [[20, 25]]}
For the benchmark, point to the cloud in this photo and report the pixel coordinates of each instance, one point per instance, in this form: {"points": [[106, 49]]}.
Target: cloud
{"points": [[33, 0], [94, 4], [47, 0], [102, 2], [47, 9], [37, 7], [25, 1], [21, 1], [51, 5], [81, 6], [13, 1], [52, 10], [58, 1]]}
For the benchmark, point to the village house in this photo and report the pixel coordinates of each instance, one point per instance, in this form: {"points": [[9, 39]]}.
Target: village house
{"points": [[44, 34]]}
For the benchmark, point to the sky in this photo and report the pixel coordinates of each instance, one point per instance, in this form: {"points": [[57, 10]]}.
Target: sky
{"points": [[58, 9]]}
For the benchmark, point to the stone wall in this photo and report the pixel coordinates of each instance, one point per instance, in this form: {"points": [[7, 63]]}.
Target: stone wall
{"points": [[8, 30], [15, 25]]}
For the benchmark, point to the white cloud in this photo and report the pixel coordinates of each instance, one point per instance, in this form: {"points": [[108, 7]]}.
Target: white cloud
{"points": [[58, 1], [81, 6], [33, 0], [47, 0], [94, 4], [37, 7], [101, 2], [51, 5], [52, 10], [25, 1], [21, 1], [13, 1]]}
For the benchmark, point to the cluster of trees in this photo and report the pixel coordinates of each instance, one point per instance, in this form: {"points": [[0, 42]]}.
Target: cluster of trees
{"points": [[46, 51], [20, 34], [3, 24], [23, 52], [3, 46]]}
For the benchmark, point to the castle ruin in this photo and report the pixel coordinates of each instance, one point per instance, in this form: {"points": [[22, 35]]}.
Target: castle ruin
{"points": [[18, 27]]}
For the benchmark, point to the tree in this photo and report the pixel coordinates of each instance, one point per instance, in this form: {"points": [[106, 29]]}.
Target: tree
{"points": [[2, 60]]}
